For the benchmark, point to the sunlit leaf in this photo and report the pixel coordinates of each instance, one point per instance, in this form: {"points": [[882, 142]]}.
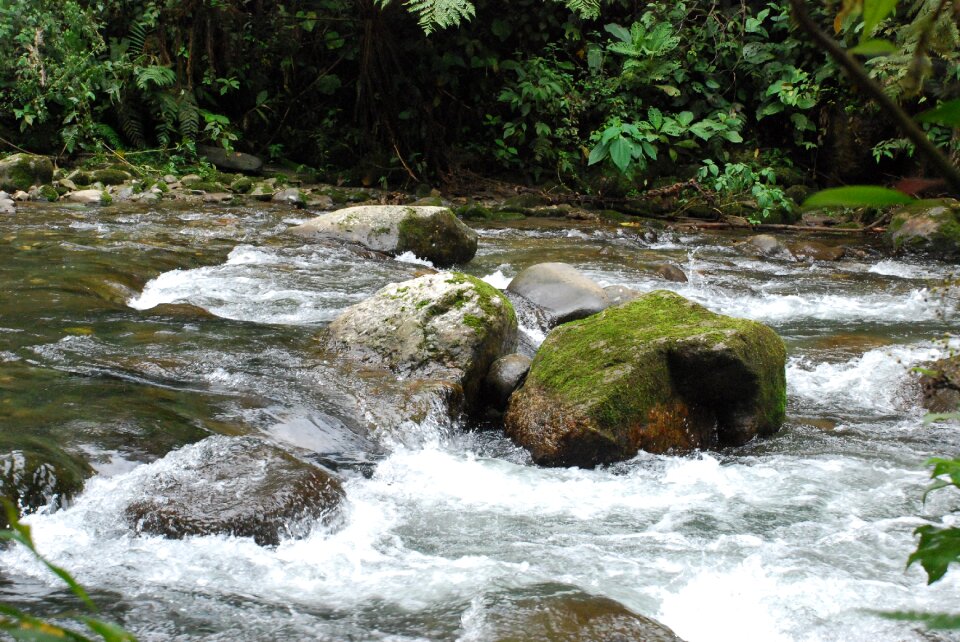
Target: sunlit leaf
{"points": [[932, 620], [857, 196], [874, 47], [874, 12], [947, 113], [847, 8]]}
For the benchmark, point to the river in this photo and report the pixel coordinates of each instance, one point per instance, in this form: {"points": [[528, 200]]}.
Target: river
{"points": [[802, 536]]}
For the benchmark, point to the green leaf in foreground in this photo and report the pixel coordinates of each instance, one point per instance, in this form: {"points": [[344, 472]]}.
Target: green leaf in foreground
{"points": [[932, 620], [857, 196], [875, 47], [874, 11], [947, 113]]}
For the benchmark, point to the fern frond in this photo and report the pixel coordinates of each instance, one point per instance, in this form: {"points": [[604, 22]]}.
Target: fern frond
{"points": [[131, 123], [586, 8], [137, 38], [157, 75], [189, 117], [440, 14], [109, 134]]}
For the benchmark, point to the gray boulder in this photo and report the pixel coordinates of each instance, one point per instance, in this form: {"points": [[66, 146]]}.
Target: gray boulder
{"points": [[290, 196], [561, 290], [87, 197], [505, 375], [235, 486], [231, 161], [765, 245], [431, 233], [659, 374], [445, 327], [927, 227], [23, 171], [6, 204]]}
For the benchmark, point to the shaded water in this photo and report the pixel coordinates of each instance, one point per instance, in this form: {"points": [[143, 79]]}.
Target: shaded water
{"points": [[126, 334]]}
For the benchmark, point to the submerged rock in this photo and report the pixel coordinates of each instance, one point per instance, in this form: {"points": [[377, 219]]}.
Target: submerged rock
{"points": [[672, 272], [658, 374], [505, 375], [446, 327], [561, 290], [816, 251], [34, 473], [928, 227], [941, 385], [765, 245], [23, 171], [554, 613], [431, 233], [236, 486]]}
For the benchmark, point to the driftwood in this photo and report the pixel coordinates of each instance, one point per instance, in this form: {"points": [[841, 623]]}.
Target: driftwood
{"points": [[715, 225]]}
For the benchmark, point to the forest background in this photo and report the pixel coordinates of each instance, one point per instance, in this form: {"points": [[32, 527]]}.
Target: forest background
{"points": [[611, 97]]}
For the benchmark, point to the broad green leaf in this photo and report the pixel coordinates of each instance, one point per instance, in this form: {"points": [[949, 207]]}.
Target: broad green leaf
{"points": [[874, 11], [669, 90], [598, 153], [857, 196], [655, 116], [874, 47], [619, 32], [732, 136], [942, 621], [620, 153], [649, 150], [685, 118], [947, 113], [938, 548]]}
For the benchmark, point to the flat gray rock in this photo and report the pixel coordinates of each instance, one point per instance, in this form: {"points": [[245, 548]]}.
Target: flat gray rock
{"points": [[561, 290]]}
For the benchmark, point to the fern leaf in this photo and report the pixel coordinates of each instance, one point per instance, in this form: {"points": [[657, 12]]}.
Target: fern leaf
{"points": [[586, 8], [137, 38], [440, 14], [157, 75], [189, 117], [131, 123]]}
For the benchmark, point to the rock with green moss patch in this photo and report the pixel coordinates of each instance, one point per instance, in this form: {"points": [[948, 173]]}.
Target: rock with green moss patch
{"points": [[34, 473], [927, 227], [442, 327], [109, 176], [261, 191], [561, 290], [23, 171], [241, 185], [431, 233], [658, 374], [290, 196], [941, 385], [89, 197]]}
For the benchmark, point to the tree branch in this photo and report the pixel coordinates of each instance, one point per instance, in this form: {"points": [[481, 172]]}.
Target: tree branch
{"points": [[869, 86]]}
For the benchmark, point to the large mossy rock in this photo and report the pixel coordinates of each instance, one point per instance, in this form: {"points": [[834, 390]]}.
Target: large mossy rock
{"points": [[561, 290], [431, 233], [23, 171], [556, 613], [235, 486], [445, 327], [941, 385], [927, 227], [35, 473], [659, 374]]}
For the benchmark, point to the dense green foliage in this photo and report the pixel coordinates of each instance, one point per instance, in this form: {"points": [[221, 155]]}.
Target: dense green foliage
{"points": [[606, 96]]}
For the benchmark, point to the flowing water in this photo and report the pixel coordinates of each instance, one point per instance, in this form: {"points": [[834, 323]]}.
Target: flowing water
{"points": [[128, 335]]}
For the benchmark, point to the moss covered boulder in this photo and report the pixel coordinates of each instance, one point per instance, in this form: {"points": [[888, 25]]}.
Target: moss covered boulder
{"points": [[927, 227], [23, 171], [658, 374], [431, 233], [444, 327], [234, 486], [941, 385]]}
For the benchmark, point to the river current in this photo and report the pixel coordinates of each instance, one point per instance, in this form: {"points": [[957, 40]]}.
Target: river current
{"points": [[803, 536]]}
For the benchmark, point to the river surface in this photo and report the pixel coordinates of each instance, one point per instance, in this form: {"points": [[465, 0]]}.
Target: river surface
{"points": [[129, 335]]}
